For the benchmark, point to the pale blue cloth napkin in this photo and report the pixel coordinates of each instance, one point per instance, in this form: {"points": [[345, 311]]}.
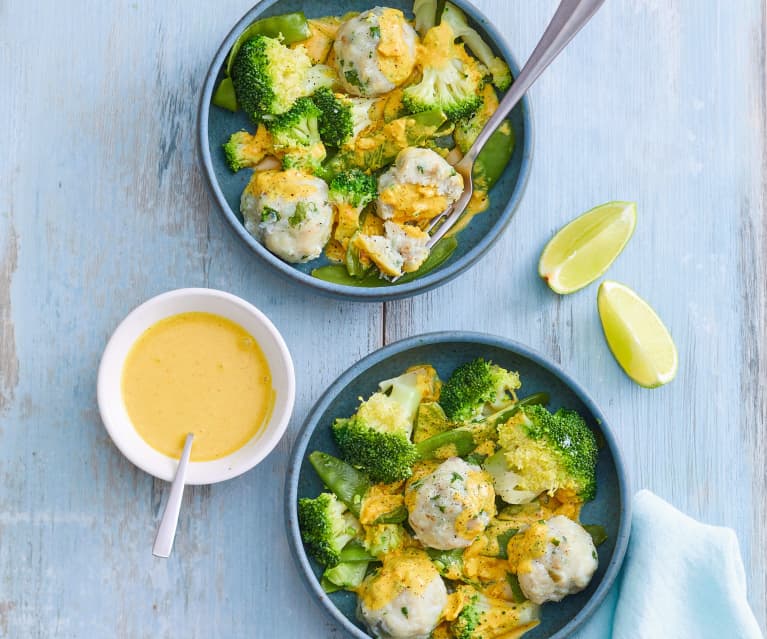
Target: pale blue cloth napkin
{"points": [[681, 580]]}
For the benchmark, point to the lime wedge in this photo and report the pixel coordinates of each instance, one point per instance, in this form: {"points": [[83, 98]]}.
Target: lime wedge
{"points": [[636, 335], [583, 250]]}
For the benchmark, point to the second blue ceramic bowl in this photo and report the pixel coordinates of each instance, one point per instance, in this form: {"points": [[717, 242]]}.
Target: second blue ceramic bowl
{"points": [[445, 351], [215, 125]]}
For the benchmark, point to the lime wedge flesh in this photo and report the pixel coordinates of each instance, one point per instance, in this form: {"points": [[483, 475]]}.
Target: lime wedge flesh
{"points": [[583, 250], [636, 335]]}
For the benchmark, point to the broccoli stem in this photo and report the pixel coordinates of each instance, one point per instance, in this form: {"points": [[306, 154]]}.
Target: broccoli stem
{"points": [[348, 483]]}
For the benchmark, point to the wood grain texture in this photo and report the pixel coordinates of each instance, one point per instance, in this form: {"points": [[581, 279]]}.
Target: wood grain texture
{"points": [[102, 206]]}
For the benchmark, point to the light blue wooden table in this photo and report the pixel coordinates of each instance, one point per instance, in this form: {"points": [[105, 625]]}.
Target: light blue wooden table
{"points": [[102, 205]]}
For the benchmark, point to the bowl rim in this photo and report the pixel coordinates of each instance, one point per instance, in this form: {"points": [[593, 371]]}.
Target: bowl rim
{"points": [[114, 415], [431, 280], [311, 423]]}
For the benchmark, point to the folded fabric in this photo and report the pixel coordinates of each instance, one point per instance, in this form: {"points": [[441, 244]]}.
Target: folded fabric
{"points": [[681, 579]]}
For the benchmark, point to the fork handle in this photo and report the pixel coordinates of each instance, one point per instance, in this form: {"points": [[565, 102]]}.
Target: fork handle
{"points": [[569, 18]]}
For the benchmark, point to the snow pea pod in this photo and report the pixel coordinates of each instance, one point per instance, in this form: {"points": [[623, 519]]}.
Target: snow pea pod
{"points": [[224, 96], [494, 156]]}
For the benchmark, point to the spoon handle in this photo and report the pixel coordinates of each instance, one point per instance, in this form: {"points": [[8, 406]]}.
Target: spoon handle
{"points": [[167, 530], [568, 19]]}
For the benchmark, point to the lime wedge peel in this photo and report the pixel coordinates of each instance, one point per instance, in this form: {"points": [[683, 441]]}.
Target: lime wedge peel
{"points": [[581, 251], [637, 337]]}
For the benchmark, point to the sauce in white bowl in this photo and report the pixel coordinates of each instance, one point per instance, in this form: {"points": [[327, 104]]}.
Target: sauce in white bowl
{"points": [[204, 358]]}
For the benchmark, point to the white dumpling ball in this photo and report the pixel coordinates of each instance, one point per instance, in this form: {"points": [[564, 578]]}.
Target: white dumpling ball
{"points": [[452, 506], [552, 559], [289, 213], [404, 599], [375, 52]]}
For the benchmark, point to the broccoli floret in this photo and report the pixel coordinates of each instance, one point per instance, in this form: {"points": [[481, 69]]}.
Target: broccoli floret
{"points": [[346, 575], [245, 150], [498, 68], [467, 130], [549, 452], [377, 438], [451, 80], [326, 527], [483, 616], [476, 387], [296, 136], [341, 117], [268, 76], [379, 145], [353, 187]]}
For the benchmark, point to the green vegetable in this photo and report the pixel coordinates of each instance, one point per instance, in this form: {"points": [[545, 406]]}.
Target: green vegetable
{"points": [[346, 482], [545, 452], [597, 532], [430, 420], [295, 133], [291, 27], [484, 617], [346, 575], [446, 560], [503, 542], [349, 485], [242, 151], [384, 539], [355, 551], [338, 274], [461, 29], [353, 187], [341, 117], [376, 439], [494, 156], [461, 439], [516, 589], [476, 386], [262, 86], [454, 87], [382, 147], [224, 96], [326, 527]]}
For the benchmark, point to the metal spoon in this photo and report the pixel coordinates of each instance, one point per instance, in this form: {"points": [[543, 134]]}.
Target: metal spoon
{"points": [[570, 16], [167, 530]]}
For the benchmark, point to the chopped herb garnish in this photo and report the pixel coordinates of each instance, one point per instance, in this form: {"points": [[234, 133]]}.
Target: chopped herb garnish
{"points": [[268, 214], [404, 611], [456, 477], [300, 214], [353, 78], [555, 541], [375, 32]]}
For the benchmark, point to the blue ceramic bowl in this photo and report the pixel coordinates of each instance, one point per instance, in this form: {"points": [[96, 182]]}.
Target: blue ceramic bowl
{"points": [[445, 351], [215, 125]]}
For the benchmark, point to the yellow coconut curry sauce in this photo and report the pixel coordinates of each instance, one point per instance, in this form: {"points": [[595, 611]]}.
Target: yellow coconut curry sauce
{"points": [[197, 373]]}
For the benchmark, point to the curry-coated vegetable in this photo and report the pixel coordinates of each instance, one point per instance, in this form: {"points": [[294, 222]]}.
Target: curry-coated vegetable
{"points": [[337, 273]]}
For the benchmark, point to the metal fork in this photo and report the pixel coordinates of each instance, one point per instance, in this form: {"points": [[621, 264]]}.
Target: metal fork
{"points": [[569, 18]]}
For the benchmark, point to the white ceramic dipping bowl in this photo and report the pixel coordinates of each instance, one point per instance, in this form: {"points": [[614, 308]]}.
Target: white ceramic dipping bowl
{"points": [[203, 300]]}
